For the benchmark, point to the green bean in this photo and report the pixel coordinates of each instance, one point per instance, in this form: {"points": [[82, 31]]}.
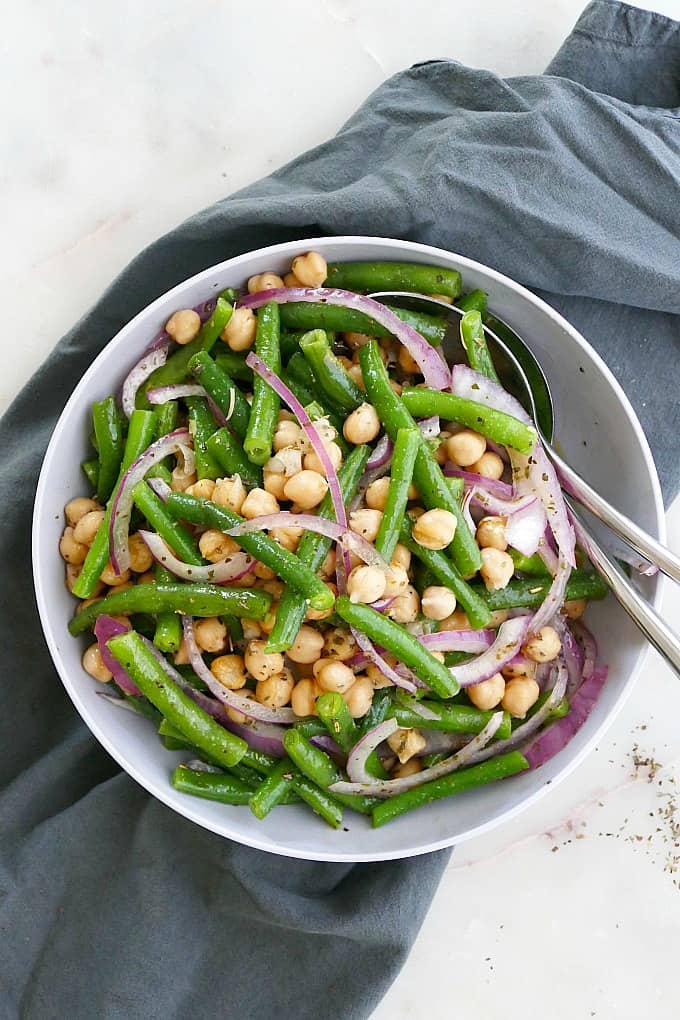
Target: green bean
{"points": [[147, 673], [168, 633], [312, 551], [234, 629], [429, 760], [300, 315], [176, 368], [310, 726], [558, 712], [166, 417], [449, 717], [211, 786], [455, 782], [188, 599], [273, 790], [495, 425], [141, 430], [223, 391], [329, 372], [317, 766], [469, 596], [264, 409], [474, 342], [427, 474], [203, 426], [376, 714], [304, 393], [181, 541], [299, 369], [259, 761], [406, 446], [227, 451], [235, 366], [229, 294], [368, 277], [284, 563], [321, 802], [533, 566], [334, 714], [397, 640], [457, 487], [90, 469], [531, 592], [108, 430], [473, 301]]}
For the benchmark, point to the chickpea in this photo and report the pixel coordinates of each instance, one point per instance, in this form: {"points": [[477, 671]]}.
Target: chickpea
{"points": [[497, 568], [440, 454], [355, 373], [239, 333], [88, 526], [289, 538], [322, 614], [544, 646], [276, 690], [396, 582], [310, 269], [78, 507], [356, 340], [183, 326], [251, 630], [491, 533], [458, 620], [264, 281], [574, 609], [488, 693], [406, 607], [406, 743], [339, 643], [202, 489], [407, 362], [263, 572], [401, 557], [435, 529], [261, 664], [498, 617], [230, 671], [396, 387], [211, 634], [72, 551], [409, 768], [313, 463], [359, 697], [415, 512], [287, 433], [362, 425], [465, 447], [94, 665], [519, 669], [72, 575], [519, 696], [181, 656], [239, 717], [267, 624], [275, 588], [259, 502], [112, 579], [376, 493], [366, 584], [489, 465], [215, 546], [125, 586], [230, 493], [147, 577], [140, 555], [366, 523], [437, 602], [334, 675], [274, 483], [307, 646], [377, 677], [291, 280], [181, 481], [328, 565], [303, 698], [306, 488]]}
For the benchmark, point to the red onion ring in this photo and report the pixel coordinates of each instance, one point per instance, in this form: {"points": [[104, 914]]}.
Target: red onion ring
{"points": [[232, 568]]}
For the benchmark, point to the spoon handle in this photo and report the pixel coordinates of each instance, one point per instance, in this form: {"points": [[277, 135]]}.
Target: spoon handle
{"points": [[658, 633], [626, 529]]}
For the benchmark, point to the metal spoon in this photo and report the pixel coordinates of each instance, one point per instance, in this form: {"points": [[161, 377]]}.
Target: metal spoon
{"points": [[523, 376]]}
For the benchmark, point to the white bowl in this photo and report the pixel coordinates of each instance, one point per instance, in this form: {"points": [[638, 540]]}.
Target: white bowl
{"points": [[600, 435]]}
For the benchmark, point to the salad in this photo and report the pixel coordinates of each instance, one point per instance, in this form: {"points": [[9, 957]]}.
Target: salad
{"points": [[329, 567]]}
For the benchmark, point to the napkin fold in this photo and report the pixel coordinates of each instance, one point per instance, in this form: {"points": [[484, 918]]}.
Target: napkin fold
{"points": [[111, 905]]}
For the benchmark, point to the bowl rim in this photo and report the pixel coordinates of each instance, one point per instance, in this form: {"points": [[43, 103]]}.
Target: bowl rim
{"points": [[163, 793]]}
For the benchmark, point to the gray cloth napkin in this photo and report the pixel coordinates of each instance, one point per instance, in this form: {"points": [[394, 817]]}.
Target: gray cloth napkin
{"points": [[111, 906]]}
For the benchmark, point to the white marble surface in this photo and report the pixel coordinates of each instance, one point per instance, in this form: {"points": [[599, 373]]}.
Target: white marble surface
{"points": [[121, 119]]}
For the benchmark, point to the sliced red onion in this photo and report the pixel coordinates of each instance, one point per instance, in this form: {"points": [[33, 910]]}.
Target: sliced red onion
{"points": [[374, 656], [162, 394], [232, 568], [525, 527], [106, 628], [380, 605], [429, 427], [160, 487], [139, 373], [549, 556], [117, 701], [382, 454], [472, 641], [508, 642], [437, 741], [280, 388], [572, 653], [310, 522], [247, 706], [429, 360], [422, 710], [209, 705], [589, 645], [499, 506], [197, 765], [390, 787], [358, 756], [465, 510], [261, 736], [546, 745], [119, 525], [492, 486]]}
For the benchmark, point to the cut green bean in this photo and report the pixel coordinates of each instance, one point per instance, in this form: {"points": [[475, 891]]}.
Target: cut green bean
{"points": [[227, 452], [299, 315], [531, 592], [108, 430], [335, 716], [312, 551], [141, 431], [397, 640], [322, 770], [211, 786], [285, 564], [427, 474], [223, 391], [406, 446], [321, 802], [235, 366], [455, 782], [90, 469], [181, 541], [274, 789], [168, 633], [188, 599], [473, 301], [264, 409], [202, 426], [450, 717], [495, 425], [369, 277], [533, 566], [329, 372], [474, 342], [166, 417]]}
